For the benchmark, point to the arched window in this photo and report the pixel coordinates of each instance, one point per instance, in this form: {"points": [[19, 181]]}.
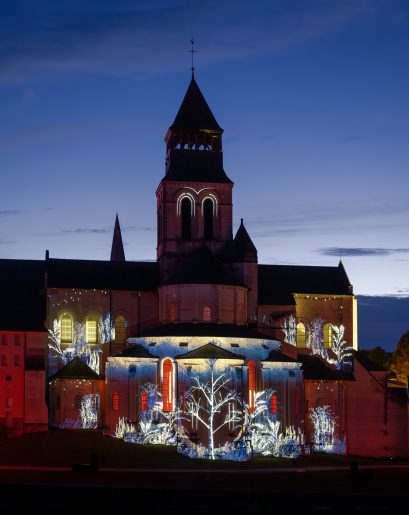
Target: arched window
{"points": [[208, 219], [172, 313], [66, 329], [274, 405], [77, 401], [91, 330], [120, 329], [186, 211], [301, 335], [167, 385], [251, 366], [144, 401], [207, 314], [327, 336], [115, 401]]}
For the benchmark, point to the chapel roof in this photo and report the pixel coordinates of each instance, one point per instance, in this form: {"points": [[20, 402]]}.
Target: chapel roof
{"points": [[315, 368], [22, 299], [135, 351], [275, 356], [276, 283], [210, 351], [76, 369], [205, 329], [203, 267], [103, 275]]}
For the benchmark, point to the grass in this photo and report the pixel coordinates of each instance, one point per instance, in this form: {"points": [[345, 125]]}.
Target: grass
{"points": [[65, 447]]}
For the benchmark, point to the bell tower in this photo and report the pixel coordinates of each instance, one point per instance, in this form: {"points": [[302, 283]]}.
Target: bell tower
{"points": [[194, 199]]}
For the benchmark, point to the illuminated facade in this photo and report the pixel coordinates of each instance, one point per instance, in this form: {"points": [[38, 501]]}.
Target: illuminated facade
{"points": [[141, 348]]}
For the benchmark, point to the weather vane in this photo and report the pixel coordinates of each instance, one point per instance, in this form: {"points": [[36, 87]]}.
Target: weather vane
{"points": [[193, 51]]}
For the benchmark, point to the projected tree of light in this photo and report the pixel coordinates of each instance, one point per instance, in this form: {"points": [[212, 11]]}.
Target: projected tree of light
{"points": [[61, 354], [214, 405]]}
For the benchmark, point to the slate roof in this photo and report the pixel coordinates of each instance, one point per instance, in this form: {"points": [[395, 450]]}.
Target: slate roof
{"points": [[276, 356], [315, 368], [195, 166], [210, 351], [203, 267], [276, 283], [76, 369], [22, 295], [241, 248], [204, 329], [135, 351], [194, 112], [102, 275]]}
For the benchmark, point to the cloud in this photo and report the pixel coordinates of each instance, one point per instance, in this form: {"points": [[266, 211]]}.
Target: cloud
{"points": [[6, 242], [360, 251], [148, 37], [85, 230], [8, 212]]}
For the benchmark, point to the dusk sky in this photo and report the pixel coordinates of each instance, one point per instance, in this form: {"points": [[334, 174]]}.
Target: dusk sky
{"points": [[312, 96]]}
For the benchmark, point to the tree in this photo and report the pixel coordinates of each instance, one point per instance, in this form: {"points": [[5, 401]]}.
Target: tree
{"points": [[379, 356], [400, 361]]}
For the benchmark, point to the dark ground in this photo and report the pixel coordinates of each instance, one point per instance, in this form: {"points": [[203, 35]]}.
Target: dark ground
{"points": [[36, 474]]}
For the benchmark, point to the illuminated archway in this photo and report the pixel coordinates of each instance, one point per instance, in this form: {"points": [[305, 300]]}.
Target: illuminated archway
{"points": [[167, 385]]}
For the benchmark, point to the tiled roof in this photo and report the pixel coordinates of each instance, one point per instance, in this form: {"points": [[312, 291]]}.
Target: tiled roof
{"points": [[210, 351], [76, 369], [102, 275], [22, 295], [276, 281], [203, 329], [203, 267]]}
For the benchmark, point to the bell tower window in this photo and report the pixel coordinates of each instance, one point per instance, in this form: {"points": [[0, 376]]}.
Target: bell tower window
{"points": [[186, 212], [208, 219]]}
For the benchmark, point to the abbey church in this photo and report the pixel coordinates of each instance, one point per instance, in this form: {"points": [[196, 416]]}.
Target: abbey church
{"points": [[103, 330]]}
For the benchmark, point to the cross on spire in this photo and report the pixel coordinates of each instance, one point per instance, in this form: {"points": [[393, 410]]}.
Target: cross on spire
{"points": [[193, 51]]}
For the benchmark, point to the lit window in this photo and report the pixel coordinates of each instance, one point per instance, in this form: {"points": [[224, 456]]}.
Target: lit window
{"points": [[251, 366], [274, 405], [66, 329], [327, 336], [207, 314], [144, 401], [172, 313], [115, 401], [300, 335], [167, 385], [120, 329], [91, 328]]}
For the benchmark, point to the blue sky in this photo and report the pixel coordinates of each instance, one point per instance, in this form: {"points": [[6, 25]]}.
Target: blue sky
{"points": [[312, 95]]}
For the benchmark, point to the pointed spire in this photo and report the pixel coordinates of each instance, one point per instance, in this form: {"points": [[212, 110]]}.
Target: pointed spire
{"points": [[194, 113], [245, 248], [117, 250]]}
